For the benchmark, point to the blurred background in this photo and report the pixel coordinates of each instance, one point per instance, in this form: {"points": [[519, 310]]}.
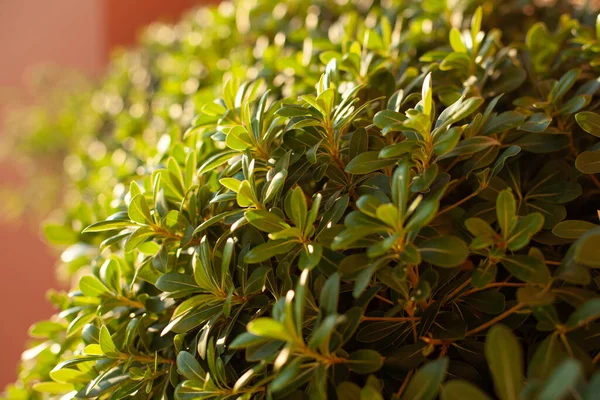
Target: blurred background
{"points": [[38, 38]]}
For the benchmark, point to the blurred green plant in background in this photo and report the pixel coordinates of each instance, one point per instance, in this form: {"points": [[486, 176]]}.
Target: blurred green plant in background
{"points": [[290, 199]]}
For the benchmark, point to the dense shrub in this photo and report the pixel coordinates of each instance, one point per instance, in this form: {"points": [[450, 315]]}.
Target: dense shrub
{"points": [[290, 200]]}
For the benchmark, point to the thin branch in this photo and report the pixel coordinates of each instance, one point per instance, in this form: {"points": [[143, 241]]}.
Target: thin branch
{"points": [[495, 320], [405, 383], [595, 180], [492, 285], [390, 319], [384, 299], [456, 291], [458, 203]]}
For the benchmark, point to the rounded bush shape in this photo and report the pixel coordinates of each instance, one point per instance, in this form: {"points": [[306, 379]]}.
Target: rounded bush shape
{"points": [[285, 200]]}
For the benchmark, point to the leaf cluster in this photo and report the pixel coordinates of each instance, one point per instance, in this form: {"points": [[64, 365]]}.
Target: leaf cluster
{"points": [[362, 200]]}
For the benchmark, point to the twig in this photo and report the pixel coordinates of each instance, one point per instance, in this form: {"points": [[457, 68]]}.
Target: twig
{"points": [[458, 203], [595, 180], [494, 320], [492, 285], [405, 383], [391, 319], [384, 299], [456, 291]]}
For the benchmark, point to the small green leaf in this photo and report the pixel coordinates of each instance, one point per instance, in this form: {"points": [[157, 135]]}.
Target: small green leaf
{"points": [[501, 160], [348, 391], [216, 161], [290, 376], [456, 61], [264, 251], [107, 226], [524, 230], [586, 249], [593, 387], [53, 387], [238, 138], [461, 390], [296, 208], [367, 162], [457, 111], [506, 210], [572, 229], [269, 328], [322, 333], [588, 162], [93, 287], [106, 343], [388, 213], [231, 184], [534, 296], [563, 381], [456, 41], [444, 251], [505, 359], [310, 256], [265, 221], [446, 141], [476, 26], [246, 197], [329, 297], [588, 312], [563, 85], [426, 382], [470, 146], [364, 361], [527, 268], [427, 94], [189, 367], [389, 121], [275, 185], [479, 227], [398, 149], [174, 282], [139, 211], [589, 122], [536, 123]]}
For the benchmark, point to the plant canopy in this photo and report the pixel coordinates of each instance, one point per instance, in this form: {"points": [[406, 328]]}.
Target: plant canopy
{"points": [[344, 199]]}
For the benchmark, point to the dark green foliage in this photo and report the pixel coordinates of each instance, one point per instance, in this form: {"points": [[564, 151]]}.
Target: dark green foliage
{"points": [[363, 201]]}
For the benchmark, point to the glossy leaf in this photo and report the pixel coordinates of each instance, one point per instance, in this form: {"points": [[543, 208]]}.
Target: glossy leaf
{"points": [[504, 356]]}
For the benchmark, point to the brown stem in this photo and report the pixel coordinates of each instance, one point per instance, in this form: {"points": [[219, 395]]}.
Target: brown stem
{"points": [[458, 203], [413, 325], [595, 180], [494, 320], [325, 359], [405, 383], [390, 319], [456, 291], [384, 299], [563, 338], [492, 285]]}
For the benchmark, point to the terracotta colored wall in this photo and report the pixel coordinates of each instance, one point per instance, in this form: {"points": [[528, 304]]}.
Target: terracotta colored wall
{"points": [[64, 32], [126, 17], [72, 33]]}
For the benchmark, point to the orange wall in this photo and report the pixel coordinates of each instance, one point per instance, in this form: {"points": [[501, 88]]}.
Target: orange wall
{"points": [[64, 32], [72, 33]]}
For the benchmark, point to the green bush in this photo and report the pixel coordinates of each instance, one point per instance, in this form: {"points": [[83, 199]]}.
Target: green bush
{"points": [[351, 199]]}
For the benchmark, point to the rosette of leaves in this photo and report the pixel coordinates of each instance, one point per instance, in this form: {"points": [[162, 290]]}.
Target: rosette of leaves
{"points": [[356, 200]]}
